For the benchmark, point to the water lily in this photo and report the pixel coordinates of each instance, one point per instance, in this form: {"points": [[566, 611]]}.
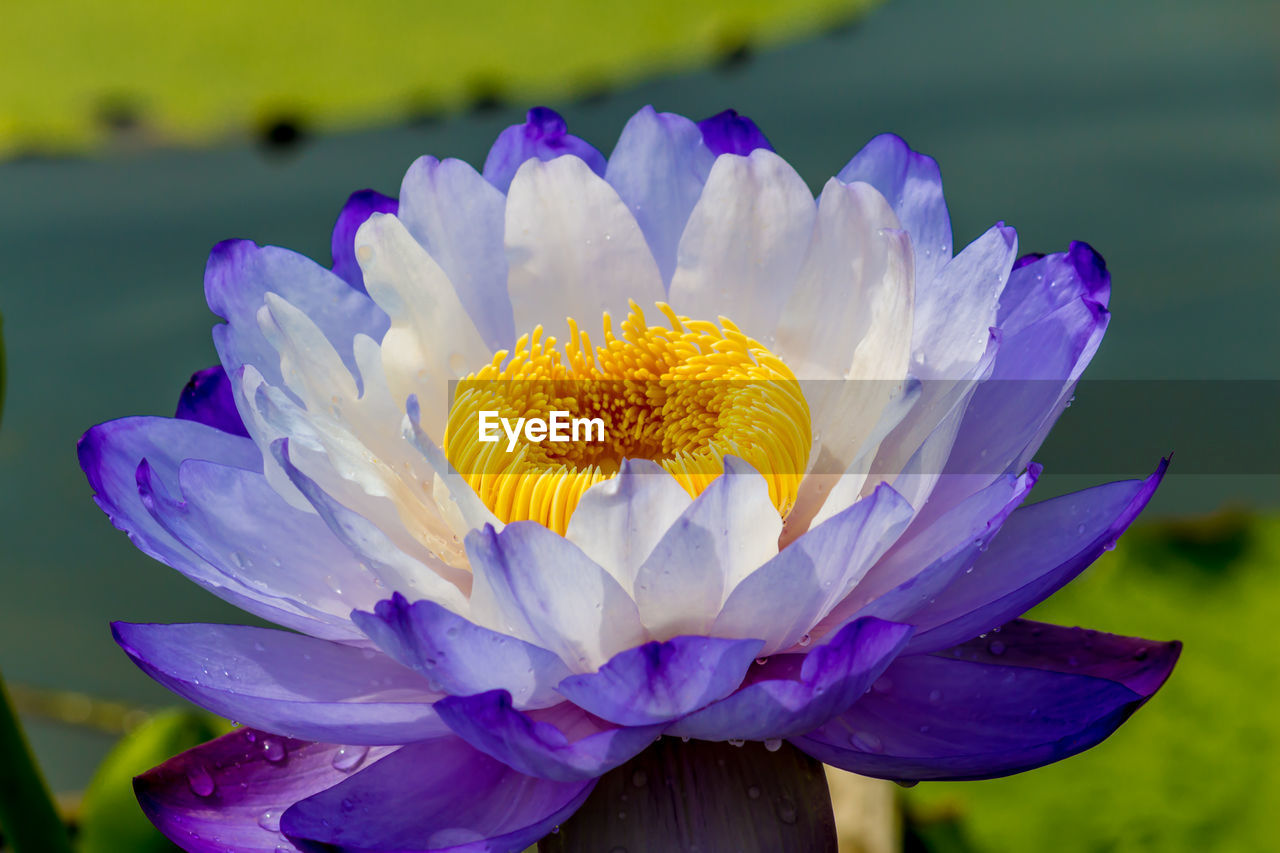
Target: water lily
{"points": [[803, 523]]}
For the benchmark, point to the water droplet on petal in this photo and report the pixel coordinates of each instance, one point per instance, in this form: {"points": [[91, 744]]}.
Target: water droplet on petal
{"points": [[935, 697], [348, 758], [269, 820], [199, 780], [753, 792], [805, 639], [736, 742], [684, 738], [906, 783], [1079, 528], [273, 751], [639, 778], [996, 648], [762, 661], [1141, 653], [773, 744], [867, 742]]}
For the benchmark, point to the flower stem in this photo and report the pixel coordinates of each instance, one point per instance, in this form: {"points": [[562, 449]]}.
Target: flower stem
{"points": [[701, 796], [27, 815]]}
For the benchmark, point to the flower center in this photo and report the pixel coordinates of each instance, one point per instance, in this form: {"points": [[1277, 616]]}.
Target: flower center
{"points": [[684, 395]]}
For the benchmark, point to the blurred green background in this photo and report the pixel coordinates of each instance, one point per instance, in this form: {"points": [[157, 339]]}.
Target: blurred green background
{"points": [[1147, 128]]}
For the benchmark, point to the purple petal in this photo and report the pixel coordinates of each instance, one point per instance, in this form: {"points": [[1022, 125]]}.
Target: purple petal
{"points": [[459, 656], [239, 524], [563, 743], [229, 793], [1012, 412], [286, 683], [1047, 282], [360, 206], [207, 399], [913, 186], [1027, 696], [730, 133], [658, 168], [544, 136], [238, 277], [658, 682], [831, 678], [441, 796], [783, 599], [544, 590], [111, 454], [1038, 550], [927, 559]]}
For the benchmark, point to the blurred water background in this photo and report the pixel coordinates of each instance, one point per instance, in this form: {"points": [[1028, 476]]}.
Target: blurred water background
{"points": [[1147, 128]]}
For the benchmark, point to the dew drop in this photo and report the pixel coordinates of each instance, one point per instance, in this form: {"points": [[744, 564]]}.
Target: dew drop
{"points": [[346, 804], [736, 742], [639, 778], [753, 792], [622, 815], [935, 697], [805, 640], [761, 661], [684, 738], [348, 758], [1079, 529], [1140, 654], [199, 781], [906, 783], [273, 751], [773, 744], [269, 820], [996, 648], [867, 742], [555, 830]]}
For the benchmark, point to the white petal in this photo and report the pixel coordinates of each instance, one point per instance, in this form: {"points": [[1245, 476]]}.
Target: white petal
{"points": [[617, 522], [729, 531], [956, 310], [745, 242], [782, 600], [458, 218], [432, 340], [573, 249], [539, 587], [846, 272]]}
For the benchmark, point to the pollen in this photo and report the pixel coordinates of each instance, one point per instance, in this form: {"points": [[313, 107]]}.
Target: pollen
{"points": [[684, 395]]}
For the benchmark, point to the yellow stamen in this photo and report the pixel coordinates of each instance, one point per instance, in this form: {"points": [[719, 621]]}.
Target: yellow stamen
{"points": [[684, 396]]}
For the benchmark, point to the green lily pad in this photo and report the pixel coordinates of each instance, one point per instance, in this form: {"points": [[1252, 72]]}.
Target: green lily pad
{"points": [[74, 73]]}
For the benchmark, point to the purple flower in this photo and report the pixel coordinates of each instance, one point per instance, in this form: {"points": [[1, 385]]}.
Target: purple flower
{"points": [[804, 520]]}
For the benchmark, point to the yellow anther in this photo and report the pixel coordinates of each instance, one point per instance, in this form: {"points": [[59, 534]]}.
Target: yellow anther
{"points": [[684, 396]]}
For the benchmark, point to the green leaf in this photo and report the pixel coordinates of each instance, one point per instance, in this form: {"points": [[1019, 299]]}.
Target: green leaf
{"points": [[192, 70], [110, 818], [27, 814]]}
